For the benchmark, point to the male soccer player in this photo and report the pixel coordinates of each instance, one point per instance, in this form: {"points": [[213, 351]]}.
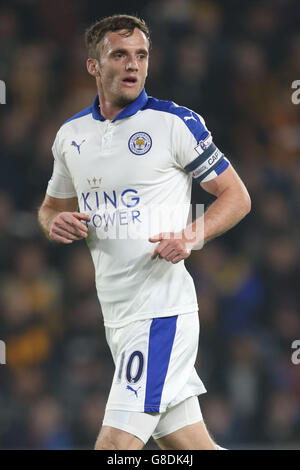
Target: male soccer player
{"points": [[113, 162]]}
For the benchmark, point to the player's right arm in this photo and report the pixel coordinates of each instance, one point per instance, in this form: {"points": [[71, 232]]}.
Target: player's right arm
{"points": [[60, 220]]}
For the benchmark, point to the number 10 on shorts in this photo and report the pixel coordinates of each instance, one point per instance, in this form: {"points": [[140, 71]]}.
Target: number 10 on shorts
{"points": [[134, 367]]}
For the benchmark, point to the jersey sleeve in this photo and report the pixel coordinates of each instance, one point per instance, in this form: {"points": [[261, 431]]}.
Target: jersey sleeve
{"points": [[194, 149], [60, 185]]}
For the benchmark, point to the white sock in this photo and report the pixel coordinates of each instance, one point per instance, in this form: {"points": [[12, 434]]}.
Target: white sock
{"points": [[221, 448]]}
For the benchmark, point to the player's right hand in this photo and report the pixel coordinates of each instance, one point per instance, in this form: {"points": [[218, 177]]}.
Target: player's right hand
{"points": [[67, 227]]}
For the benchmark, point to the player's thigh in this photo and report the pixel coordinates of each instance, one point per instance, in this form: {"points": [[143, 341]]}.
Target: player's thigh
{"points": [[182, 427], [191, 437], [116, 439], [126, 429]]}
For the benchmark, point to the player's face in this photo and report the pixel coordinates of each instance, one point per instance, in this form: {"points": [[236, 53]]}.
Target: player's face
{"points": [[123, 65]]}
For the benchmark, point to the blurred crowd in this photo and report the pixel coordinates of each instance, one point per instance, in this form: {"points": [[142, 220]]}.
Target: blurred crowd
{"points": [[232, 62]]}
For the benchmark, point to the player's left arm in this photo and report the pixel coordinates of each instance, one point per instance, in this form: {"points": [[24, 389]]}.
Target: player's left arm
{"points": [[233, 203], [195, 152], [231, 206]]}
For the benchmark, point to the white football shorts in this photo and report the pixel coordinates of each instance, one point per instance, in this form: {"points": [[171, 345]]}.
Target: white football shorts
{"points": [[154, 364]]}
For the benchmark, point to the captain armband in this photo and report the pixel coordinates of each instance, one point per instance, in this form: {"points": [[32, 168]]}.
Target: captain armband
{"points": [[210, 159]]}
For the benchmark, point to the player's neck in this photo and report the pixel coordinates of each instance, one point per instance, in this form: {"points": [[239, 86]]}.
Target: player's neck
{"points": [[108, 109]]}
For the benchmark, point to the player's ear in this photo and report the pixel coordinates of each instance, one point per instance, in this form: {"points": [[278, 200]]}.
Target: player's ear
{"points": [[92, 66]]}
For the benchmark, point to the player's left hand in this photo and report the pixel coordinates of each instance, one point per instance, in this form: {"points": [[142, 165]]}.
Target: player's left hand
{"points": [[172, 247]]}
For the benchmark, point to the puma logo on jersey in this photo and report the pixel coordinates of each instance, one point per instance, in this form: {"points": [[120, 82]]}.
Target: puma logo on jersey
{"points": [[132, 390], [76, 145], [186, 118]]}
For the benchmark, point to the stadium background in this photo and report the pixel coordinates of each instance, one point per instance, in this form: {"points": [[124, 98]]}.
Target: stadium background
{"points": [[234, 63]]}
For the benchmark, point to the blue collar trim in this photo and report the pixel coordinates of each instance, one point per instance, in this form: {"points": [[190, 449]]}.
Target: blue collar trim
{"points": [[130, 110]]}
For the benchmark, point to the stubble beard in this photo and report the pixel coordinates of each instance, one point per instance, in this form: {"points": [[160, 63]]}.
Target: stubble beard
{"points": [[124, 97]]}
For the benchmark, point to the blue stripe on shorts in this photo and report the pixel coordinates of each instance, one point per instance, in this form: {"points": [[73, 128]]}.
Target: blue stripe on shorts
{"points": [[161, 338]]}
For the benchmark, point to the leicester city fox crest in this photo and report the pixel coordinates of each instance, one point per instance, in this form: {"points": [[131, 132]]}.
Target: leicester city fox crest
{"points": [[140, 143]]}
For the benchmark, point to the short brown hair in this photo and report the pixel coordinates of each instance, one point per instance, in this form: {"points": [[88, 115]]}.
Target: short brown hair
{"points": [[95, 33]]}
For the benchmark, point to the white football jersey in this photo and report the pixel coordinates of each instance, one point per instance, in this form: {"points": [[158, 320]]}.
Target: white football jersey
{"points": [[133, 177]]}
